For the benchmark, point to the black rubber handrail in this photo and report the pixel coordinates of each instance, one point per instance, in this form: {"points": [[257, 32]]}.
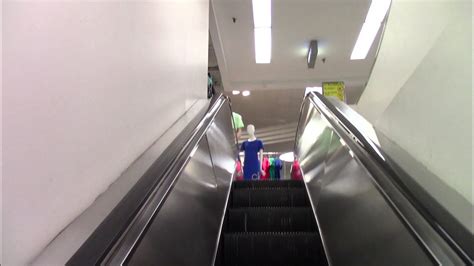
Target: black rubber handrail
{"points": [[97, 247], [463, 244]]}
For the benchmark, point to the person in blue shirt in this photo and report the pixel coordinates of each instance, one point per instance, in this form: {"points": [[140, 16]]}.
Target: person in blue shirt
{"points": [[253, 153]]}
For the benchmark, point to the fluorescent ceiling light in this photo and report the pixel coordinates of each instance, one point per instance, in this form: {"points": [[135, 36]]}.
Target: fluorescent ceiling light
{"points": [[287, 157], [245, 93], [262, 13], [262, 20], [377, 11], [315, 89], [234, 92], [263, 45], [364, 42], [312, 53]]}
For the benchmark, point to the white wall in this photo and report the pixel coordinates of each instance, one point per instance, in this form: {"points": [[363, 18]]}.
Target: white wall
{"points": [[88, 86], [1, 136], [472, 105], [406, 41], [420, 91]]}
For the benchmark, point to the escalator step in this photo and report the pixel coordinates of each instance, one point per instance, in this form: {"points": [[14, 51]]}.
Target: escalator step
{"points": [[273, 249], [268, 219], [269, 197], [291, 264], [268, 183]]}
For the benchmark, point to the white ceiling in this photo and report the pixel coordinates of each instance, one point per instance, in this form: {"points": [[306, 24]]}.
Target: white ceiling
{"points": [[334, 23]]}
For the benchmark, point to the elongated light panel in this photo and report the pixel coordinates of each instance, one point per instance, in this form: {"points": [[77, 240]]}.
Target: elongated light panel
{"points": [[262, 13], [262, 19], [377, 11], [263, 45], [364, 42]]}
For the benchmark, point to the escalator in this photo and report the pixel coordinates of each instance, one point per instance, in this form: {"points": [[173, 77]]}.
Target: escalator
{"points": [[270, 223], [352, 208]]}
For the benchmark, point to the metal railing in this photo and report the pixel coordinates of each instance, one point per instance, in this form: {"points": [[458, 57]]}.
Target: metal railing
{"points": [[114, 239], [413, 212]]}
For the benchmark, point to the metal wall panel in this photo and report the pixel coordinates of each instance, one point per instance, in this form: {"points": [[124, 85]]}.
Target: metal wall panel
{"points": [[183, 231], [222, 145], [187, 227], [357, 224]]}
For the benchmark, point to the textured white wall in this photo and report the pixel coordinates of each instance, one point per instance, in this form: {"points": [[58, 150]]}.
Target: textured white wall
{"points": [[420, 91], [88, 86]]}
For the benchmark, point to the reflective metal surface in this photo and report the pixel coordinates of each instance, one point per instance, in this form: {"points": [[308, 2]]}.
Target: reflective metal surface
{"points": [[184, 213], [190, 219], [222, 145], [357, 221], [444, 208], [133, 210], [185, 229], [417, 219]]}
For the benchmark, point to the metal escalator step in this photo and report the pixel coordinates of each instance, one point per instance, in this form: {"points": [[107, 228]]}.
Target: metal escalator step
{"points": [[268, 183], [274, 248], [291, 264], [269, 197], [299, 264], [272, 219]]}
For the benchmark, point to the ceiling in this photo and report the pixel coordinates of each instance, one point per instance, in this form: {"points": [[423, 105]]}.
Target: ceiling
{"points": [[280, 85]]}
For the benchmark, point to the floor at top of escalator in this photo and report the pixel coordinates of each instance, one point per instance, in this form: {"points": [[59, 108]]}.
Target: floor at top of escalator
{"points": [[270, 223]]}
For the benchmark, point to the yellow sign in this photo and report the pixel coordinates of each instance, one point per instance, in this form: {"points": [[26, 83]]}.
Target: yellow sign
{"points": [[335, 89]]}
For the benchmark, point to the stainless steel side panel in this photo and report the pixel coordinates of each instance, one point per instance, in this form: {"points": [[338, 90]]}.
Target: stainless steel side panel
{"points": [[222, 145], [182, 232], [187, 227], [357, 224], [223, 148]]}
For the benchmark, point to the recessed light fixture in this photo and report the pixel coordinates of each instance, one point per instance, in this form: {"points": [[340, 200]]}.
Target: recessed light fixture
{"points": [[315, 89], [263, 45], [235, 92], [245, 93], [377, 11], [312, 53], [262, 20], [262, 13]]}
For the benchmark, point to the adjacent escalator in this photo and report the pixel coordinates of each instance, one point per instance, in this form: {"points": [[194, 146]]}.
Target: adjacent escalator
{"points": [[270, 223]]}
